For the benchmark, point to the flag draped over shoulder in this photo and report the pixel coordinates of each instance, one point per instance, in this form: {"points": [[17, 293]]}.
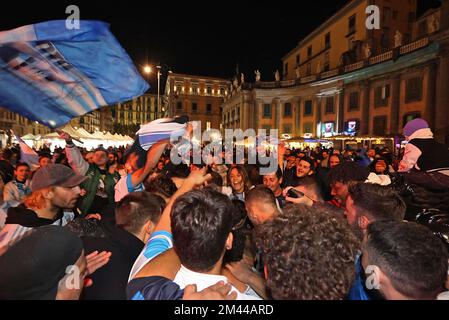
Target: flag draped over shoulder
{"points": [[51, 74]]}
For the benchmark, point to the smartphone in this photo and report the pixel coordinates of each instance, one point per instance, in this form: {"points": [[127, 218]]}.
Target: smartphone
{"points": [[293, 193]]}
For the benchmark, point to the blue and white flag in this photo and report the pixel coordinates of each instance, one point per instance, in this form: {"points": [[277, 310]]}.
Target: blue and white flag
{"points": [[161, 129], [51, 74]]}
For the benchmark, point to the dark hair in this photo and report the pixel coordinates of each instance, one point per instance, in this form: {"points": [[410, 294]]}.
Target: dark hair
{"points": [[45, 155], [21, 164], [278, 173], [310, 183], [310, 254], [136, 209], [372, 166], [7, 154], [201, 221], [336, 155], [114, 154], [253, 173], [176, 171], [161, 184], [217, 179], [261, 194], [377, 202], [310, 161], [241, 170], [347, 171], [239, 232], [411, 257]]}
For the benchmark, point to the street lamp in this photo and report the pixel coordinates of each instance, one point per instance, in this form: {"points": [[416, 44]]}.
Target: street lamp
{"points": [[158, 87], [147, 69]]}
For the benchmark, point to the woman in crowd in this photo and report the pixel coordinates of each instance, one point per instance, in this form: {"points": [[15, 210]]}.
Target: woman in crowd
{"points": [[239, 182]]}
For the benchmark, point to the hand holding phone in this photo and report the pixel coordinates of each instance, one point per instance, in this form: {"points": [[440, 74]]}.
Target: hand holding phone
{"points": [[293, 193]]}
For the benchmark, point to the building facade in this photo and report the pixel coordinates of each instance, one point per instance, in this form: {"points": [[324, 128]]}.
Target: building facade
{"points": [[344, 38], [127, 117], [124, 118], [374, 95], [200, 98], [20, 125]]}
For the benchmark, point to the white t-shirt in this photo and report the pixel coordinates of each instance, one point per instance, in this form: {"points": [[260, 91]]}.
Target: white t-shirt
{"points": [[184, 277], [161, 241]]}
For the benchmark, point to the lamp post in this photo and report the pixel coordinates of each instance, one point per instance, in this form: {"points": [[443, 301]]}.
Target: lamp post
{"points": [[147, 69], [158, 87]]}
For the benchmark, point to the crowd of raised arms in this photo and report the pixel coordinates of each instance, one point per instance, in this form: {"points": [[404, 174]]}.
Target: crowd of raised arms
{"points": [[327, 224]]}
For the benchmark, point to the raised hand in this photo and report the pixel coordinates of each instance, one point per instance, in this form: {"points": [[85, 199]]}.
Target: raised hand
{"points": [[97, 260]]}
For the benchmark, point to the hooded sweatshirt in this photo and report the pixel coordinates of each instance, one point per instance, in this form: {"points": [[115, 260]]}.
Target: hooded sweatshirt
{"points": [[20, 220]]}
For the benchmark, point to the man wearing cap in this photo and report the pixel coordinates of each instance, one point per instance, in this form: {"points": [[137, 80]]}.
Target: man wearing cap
{"points": [[423, 152], [99, 197], [55, 192]]}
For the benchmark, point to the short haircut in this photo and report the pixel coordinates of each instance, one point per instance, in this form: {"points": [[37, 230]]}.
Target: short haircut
{"points": [[161, 184], [310, 161], [45, 155], [311, 183], [201, 221], [136, 209], [410, 255], [346, 172], [21, 164], [377, 202], [261, 194], [310, 253], [278, 173]]}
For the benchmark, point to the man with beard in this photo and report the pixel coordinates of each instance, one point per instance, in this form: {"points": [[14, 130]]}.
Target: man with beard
{"points": [[365, 204], [55, 191], [342, 177]]}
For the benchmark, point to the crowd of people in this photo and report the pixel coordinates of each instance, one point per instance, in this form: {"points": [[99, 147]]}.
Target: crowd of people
{"points": [[326, 224]]}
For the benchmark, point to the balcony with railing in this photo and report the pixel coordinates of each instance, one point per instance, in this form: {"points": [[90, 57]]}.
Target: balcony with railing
{"points": [[414, 46], [387, 56], [381, 58]]}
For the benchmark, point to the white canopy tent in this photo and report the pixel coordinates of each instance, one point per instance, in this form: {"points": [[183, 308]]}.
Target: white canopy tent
{"points": [[85, 139]]}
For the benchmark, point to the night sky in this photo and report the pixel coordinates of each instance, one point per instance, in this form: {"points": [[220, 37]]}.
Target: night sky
{"points": [[208, 38]]}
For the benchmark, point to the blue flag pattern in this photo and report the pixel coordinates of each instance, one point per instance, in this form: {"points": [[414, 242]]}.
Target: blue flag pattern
{"points": [[51, 74]]}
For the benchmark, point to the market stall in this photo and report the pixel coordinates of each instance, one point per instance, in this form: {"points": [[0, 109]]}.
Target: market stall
{"points": [[358, 142], [302, 143]]}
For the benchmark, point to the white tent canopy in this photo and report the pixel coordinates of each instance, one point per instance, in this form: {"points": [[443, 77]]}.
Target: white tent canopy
{"points": [[88, 140]]}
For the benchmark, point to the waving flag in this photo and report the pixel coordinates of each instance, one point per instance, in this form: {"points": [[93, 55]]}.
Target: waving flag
{"points": [[161, 129], [51, 74]]}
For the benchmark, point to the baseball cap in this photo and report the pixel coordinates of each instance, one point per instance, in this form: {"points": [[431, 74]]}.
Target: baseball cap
{"points": [[56, 175]]}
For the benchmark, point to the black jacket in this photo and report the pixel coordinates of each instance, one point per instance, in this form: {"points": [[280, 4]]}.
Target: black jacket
{"points": [[109, 282], [25, 217]]}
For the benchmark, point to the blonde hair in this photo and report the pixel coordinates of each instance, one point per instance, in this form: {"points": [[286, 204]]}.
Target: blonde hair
{"points": [[36, 199]]}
